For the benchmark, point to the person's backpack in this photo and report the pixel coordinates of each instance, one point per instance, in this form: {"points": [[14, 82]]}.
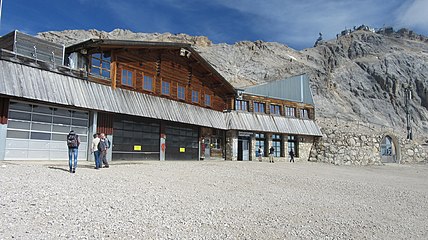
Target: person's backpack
{"points": [[72, 141], [259, 150]]}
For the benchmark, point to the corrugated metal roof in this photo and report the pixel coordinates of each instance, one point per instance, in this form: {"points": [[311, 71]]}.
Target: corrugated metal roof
{"points": [[36, 84], [274, 124], [294, 89]]}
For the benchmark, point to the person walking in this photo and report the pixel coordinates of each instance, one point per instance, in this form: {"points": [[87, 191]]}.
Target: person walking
{"points": [[94, 150], [73, 143], [271, 152], [103, 146], [260, 153], [291, 153]]}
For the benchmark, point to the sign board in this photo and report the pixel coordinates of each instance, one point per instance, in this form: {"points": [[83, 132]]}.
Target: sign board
{"points": [[182, 149], [137, 147], [245, 134]]}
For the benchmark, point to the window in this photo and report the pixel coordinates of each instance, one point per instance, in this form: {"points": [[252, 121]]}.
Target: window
{"points": [[195, 96], [241, 105], [165, 88], [100, 64], [181, 92], [260, 142], [275, 109], [276, 143], [148, 83], [127, 77], [293, 145], [207, 100], [259, 107], [290, 112], [304, 113]]}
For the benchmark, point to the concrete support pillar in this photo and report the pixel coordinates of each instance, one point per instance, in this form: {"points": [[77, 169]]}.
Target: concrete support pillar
{"points": [[253, 148], [284, 146], [162, 145], [3, 132], [232, 145], [93, 120]]}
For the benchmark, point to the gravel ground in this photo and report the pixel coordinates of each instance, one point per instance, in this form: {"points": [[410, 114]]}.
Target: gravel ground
{"points": [[213, 200]]}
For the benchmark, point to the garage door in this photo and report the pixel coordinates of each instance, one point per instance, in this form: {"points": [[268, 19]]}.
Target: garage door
{"points": [[181, 142], [38, 132]]}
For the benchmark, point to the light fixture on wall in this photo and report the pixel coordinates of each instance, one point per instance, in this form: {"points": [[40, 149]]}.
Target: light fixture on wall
{"points": [[185, 53]]}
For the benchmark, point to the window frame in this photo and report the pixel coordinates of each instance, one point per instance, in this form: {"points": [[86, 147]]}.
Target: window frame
{"points": [[207, 96], [304, 113], [275, 107], [178, 92], [102, 59], [259, 104], [260, 140], [197, 96], [164, 87], [240, 103], [132, 77], [144, 83], [292, 143], [288, 111]]}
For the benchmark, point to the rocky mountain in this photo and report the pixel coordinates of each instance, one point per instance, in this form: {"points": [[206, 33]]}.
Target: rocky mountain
{"points": [[358, 77]]}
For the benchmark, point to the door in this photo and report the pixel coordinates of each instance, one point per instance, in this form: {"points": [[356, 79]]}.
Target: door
{"points": [[243, 149], [181, 142]]}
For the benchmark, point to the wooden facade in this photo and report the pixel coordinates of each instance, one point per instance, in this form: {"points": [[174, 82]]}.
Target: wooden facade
{"points": [[163, 65]]}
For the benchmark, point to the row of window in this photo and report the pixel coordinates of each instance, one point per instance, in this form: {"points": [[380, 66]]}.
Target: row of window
{"points": [[292, 145], [260, 107], [100, 65]]}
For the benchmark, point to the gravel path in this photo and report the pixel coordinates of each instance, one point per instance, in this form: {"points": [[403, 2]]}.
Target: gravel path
{"points": [[213, 200]]}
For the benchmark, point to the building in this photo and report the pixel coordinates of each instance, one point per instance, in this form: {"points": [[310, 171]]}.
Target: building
{"points": [[155, 101]]}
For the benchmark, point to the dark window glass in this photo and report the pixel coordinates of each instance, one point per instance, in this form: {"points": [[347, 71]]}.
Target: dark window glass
{"points": [[293, 145], [276, 143], [62, 112], [17, 134], [20, 106], [18, 125], [42, 118], [304, 113], [79, 122], [275, 109], [148, 83], [260, 142], [100, 64], [181, 92], [195, 96], [207, 100], [259, 107], [40, 136], [165, 88], [241, 105], [61, 120], [19, 115], [127, 78]]}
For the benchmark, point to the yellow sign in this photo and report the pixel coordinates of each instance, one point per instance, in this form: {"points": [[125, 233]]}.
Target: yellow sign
{"points": [[182, 149], [137, 148]]}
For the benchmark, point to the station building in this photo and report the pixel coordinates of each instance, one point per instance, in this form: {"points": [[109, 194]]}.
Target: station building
{"points": [[154, 100]]}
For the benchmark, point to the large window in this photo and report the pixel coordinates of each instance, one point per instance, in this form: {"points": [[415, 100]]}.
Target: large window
{"points": [[100, 64], [127, 78], [304, 113], [181, 92], [207, 100], [148, 83], [241, 105], [275, 109], [276, 143], [293, 145], [260, 142], [195, 96], [259, 107], [290, 112], [165, 88]]}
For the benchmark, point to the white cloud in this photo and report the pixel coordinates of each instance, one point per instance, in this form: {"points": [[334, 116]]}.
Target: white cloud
{"points": [[414, 15]]}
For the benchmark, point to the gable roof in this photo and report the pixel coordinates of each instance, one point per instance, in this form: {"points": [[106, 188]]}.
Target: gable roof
{"points": [[116, 43], [294, 89]]}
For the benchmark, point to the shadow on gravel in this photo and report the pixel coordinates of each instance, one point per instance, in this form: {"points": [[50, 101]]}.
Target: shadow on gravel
{"points": [[65, 169], [58, 168]]}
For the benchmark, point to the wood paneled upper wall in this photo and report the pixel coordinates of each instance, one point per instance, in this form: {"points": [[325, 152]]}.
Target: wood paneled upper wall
{"points": [[166, 65]]}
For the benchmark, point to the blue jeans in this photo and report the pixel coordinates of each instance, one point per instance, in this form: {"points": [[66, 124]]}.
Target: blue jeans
{"points": [[97, 159], [71, 152]]}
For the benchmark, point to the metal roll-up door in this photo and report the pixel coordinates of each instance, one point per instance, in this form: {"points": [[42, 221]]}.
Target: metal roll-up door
{"points": [[181, 142], [39, 132]]}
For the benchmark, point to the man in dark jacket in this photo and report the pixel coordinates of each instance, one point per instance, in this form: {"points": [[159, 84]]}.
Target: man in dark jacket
{"points": [[73, 143], [291, 153], [271, 153], [103, 146]]}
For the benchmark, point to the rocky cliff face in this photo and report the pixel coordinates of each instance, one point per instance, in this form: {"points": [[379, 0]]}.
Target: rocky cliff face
{"points": [[358, 77]]}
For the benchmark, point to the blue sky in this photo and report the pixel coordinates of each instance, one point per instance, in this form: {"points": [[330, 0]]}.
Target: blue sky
{"points": [[295, 23]]}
